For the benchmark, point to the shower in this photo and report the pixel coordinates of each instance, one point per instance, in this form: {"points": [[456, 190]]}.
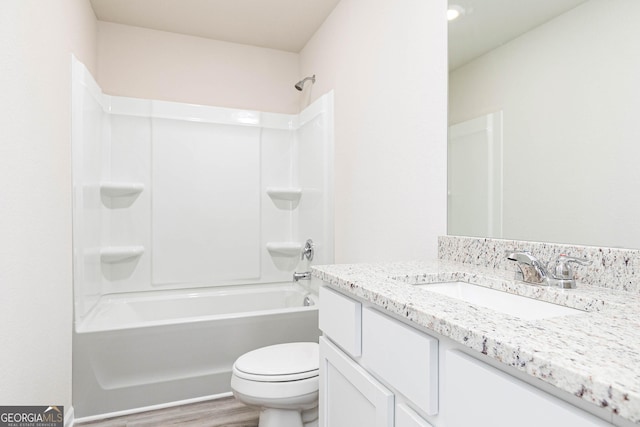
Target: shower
{"points": [[300, 84]]}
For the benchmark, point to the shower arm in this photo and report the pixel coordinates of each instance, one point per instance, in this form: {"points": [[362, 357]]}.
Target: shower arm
{"points": [[301, 83]]}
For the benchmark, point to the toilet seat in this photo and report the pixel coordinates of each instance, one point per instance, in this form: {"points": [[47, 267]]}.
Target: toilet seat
{"points": [[275, 394], [279, 363]]}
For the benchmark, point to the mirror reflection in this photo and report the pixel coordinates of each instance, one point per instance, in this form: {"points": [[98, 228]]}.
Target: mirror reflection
{"points": [[544, 116]]}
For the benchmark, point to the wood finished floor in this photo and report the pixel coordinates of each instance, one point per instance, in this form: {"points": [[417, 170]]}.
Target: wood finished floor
{"points": [[225, 412]]}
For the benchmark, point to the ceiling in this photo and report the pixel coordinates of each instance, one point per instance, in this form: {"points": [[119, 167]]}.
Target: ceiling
{"points": [[487, 24], [277, 24], [289, 24]]}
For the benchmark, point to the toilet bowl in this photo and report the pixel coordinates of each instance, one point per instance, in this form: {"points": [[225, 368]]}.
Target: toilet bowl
{"points": [[281, 380]]}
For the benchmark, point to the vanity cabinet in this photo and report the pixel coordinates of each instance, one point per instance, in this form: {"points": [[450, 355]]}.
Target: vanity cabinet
{"points": [[373, 368], [478, 394], [378, 371]]}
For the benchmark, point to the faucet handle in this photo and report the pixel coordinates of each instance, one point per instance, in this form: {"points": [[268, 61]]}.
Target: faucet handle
{"points": [[308, 251], [562, 269]]}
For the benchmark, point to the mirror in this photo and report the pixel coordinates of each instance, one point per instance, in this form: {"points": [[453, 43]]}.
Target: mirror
{"points": [[547, 94]]}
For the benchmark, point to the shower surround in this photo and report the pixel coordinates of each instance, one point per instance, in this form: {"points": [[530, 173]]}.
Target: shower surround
{"points": [[176, 205]]}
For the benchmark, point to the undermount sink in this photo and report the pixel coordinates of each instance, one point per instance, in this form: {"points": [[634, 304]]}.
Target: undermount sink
{"points": [[511, 304]]}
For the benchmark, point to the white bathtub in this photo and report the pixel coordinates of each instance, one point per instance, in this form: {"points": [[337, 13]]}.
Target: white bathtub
{"points": [[144, 349]]}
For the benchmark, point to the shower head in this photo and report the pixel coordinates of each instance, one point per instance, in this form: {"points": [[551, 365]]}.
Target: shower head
{"points": [[300, 84]]}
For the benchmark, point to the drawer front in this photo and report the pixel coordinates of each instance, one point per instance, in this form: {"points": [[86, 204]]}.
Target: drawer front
{"points": [[340, 319], [403, 357]]}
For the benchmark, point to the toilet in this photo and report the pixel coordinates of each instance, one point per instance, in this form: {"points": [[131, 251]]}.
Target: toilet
{"points": [[281, 380]]}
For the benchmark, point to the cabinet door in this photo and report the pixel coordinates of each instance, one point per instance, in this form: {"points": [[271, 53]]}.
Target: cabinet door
{"points": [[349, 396], [406, 417], [476, 394]]}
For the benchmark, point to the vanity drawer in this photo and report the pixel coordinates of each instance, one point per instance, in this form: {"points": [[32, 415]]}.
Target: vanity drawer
{"points": [[403, 357], [340, 319]]}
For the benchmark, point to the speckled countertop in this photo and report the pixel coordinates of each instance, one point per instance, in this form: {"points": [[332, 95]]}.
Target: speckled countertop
{"points": [[594, 355]]}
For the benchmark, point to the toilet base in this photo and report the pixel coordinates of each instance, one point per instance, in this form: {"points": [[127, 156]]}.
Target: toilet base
{"points": [[271, 417], [310, 417], [299, 411]]}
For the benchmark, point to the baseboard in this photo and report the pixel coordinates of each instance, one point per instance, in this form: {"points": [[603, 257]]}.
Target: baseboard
{"points": [[69, 417], [151, 408]]}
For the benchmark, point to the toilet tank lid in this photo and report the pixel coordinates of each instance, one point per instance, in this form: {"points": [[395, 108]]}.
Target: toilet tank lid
{"points": [[280, 359]]}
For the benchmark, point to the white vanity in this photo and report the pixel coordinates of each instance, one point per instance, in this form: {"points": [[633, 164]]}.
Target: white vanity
{"points": [[394, 353], [379, 371]]}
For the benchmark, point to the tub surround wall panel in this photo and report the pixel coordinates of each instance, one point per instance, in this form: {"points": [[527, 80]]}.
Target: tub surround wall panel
{"points": [[87, 172], [612, 268], [129, 164], [174, 196], [205, 212], [313, 171], [277, 217]]}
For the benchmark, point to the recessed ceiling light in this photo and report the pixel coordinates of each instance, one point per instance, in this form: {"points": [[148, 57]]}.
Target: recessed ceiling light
{"points": [[454, 12]]}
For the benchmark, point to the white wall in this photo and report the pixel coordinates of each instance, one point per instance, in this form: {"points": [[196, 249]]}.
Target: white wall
{"points": [[570, 98], [36, 42], [142, 63], [386, 61]]}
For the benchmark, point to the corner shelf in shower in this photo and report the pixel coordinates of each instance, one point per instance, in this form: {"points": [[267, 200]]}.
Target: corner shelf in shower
{"points": [[289, 249], [291, 194], [120, 189], [285, 198], [114, 254]]}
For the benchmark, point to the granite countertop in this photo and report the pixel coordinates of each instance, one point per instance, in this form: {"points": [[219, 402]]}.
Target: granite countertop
{"points": [[594, 355]]}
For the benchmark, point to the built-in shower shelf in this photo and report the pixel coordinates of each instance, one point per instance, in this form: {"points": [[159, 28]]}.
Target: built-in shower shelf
{"points": [[290, 249], [120, 189], [113, 254], [291, 194]]}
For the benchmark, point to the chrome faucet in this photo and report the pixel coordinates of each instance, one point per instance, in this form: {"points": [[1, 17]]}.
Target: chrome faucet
{"points": [[531, 269], [559, 274]]}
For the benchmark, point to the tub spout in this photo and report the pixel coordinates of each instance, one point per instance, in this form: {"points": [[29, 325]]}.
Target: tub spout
{"points": [[302, 276]]}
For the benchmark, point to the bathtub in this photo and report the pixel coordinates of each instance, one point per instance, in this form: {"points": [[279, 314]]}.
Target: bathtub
{"points": [[146, 349]]}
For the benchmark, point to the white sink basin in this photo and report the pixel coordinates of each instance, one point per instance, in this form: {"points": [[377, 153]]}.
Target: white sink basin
{"points": [[514, 305]]}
